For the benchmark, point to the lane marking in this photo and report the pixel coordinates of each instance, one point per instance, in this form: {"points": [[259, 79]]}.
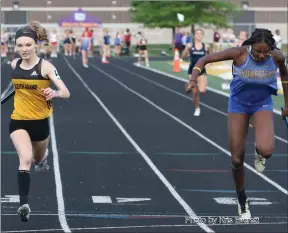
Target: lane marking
{"points": [[58, 182], [127, 199], [175, 194], [102, 153], [227, 191], [276, 185], [6, 90], [101, 199], [234, 201], [10, 199], [108, 199], [186, 97]]}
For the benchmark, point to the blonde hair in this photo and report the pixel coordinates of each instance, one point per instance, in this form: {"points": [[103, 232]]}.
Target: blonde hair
{"points": [[200, 30], [40, 31]]}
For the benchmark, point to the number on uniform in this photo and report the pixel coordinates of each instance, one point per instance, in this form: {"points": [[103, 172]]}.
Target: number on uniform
{"points": [[56, 74]]}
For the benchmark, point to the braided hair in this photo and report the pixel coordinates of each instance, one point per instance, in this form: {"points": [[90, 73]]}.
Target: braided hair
{"points": [[261, 35]]}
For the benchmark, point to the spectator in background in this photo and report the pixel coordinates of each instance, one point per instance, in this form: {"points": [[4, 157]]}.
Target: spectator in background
{"points": [[85, 46], [232, 37], [117, 44], [89, 32], [243, 35], [66, 43], [178, 40], [4, 48], [106, 47], [188, 38], [278, 39], [53, 40], [127, 38], [184, 41], [11, 49], [72, 45], [225, 39], [216, 41], [91, 49]]}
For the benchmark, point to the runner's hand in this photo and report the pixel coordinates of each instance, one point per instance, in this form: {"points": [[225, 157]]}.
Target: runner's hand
{"points": [[189, 86], [285, 113], [50, 93]]}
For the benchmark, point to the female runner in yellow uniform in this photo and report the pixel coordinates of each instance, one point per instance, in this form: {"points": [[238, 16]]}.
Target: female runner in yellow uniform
{"points": [[29, 125]]}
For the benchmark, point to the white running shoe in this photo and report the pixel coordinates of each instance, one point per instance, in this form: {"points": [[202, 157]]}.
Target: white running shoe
{"points": [[259, 162], [244, 211], [197, 112], [43, 164], [24, 212]]}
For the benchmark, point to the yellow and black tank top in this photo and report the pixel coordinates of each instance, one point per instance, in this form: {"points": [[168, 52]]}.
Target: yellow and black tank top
{"points": [[29, 100]]}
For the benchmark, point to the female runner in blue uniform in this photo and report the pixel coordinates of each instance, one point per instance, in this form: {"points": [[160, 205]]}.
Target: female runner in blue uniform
{"points": [[255, 66], [197, 49]]}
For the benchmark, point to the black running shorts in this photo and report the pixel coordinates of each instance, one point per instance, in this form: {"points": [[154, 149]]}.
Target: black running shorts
{"points": [[38, 130]]}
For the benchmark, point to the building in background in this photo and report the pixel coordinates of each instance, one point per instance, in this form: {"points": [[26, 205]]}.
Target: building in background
{"points": [[256, 13], [51, 11]]}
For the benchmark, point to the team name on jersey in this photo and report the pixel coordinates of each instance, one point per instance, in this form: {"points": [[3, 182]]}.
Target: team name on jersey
{"points": [[198, 52], [25, 86], [258, 74]]}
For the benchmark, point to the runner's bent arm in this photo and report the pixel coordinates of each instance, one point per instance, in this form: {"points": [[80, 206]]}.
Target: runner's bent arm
{"points": [[228, 54], [187, 47], [50, 71]]}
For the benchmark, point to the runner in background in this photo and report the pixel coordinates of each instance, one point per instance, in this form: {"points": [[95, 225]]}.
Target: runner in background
{"points": [[54, 43], [197, 49], [142, 49], [127, 39], [216, 41]]}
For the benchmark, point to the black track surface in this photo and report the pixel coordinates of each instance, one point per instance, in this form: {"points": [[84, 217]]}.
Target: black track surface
{"points": [[97, 159]]}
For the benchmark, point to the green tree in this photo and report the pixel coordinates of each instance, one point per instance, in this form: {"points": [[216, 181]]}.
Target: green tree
{"points": [[163, 14]]}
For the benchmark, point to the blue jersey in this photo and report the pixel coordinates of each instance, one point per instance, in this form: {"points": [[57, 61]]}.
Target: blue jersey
{"points": [[85, 43], [195, 54], [254, 82], [117, 41], [106, 39]]}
